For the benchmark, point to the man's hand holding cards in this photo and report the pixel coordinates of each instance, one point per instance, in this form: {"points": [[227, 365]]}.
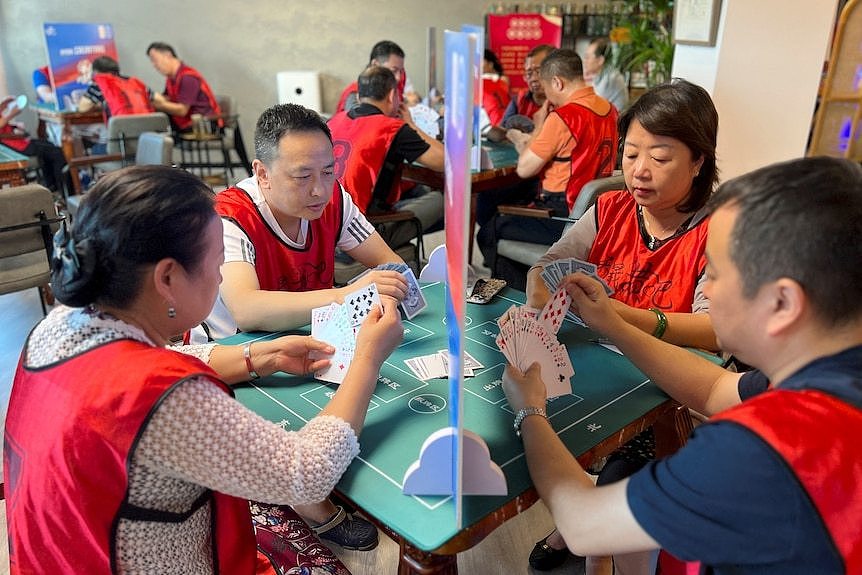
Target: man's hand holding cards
{"points": [[414, 301], [528, 336]]}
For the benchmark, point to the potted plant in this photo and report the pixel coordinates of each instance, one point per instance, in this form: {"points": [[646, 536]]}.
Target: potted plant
{"points": [[642, 43]]}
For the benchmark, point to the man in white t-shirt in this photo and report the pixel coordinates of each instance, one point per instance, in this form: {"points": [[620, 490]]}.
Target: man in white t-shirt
{"points": [[281, 228]]}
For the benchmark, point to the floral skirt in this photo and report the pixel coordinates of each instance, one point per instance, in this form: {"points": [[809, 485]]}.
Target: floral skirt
{"points": [[287, 546]]}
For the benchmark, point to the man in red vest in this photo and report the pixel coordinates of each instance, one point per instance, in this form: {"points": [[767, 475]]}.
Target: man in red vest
{"points": [[387, 54], [529, 100], [770, 483], [574, 141], [186, 91], [281, 229], [116, 94], [372, 141]]}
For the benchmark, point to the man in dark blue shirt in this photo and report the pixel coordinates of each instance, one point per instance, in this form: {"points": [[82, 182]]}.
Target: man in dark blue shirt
{"points": [[770, 483]]}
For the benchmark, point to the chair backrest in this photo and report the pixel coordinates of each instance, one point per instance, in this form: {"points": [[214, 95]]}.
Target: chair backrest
{"points": [[123, 131], [28, 219], [154, 149], [592, 190], [225, 104]]}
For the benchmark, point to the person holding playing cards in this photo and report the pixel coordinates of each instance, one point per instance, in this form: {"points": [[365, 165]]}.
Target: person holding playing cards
{"points": [[282, 227], [124, 455], [769, 484], [646, 243]]}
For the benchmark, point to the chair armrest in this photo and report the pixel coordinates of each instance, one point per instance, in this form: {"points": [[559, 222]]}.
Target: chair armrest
{"points": [[386, 217], [82, 161], [525, 211]]}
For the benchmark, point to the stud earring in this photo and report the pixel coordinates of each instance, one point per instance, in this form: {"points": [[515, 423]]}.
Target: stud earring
{"points": [[172, 312]]}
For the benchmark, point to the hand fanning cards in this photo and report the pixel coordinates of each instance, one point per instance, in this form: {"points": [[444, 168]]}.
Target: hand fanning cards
{"points": [[554, 272], [528, 336], [414, 301], [337, 325]]}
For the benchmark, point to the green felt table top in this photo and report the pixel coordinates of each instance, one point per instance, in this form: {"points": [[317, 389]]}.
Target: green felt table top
{"points": [[608, 393]]}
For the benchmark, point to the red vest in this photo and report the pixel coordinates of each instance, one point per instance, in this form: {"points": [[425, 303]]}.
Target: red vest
{"points": [[124, 96], [353, 88], [525, 104], [664, 278], [70, 433], [802, 427], [495, 98], [172, 88], [360, 146], [279, 266], [18, 143], [595, 152]]}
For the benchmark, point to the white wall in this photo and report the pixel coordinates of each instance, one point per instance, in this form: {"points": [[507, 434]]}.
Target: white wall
{"points": [[240, 46], [763, 74]]}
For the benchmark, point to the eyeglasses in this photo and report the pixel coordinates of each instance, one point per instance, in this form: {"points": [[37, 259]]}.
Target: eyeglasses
{"points": [[530, 72]]}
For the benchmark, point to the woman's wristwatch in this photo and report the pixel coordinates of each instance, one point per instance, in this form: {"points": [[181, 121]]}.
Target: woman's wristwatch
{"points": [[527, 411]]}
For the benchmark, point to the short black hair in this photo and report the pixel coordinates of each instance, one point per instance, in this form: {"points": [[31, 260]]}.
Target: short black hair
{"points": [[495, 62], [564, 63], [106, 65], [279, 120], [161, 47], [131, 219], [602, 47], [540, 49], [375, 83], [800, 219], [383, 49], [684, 111]]}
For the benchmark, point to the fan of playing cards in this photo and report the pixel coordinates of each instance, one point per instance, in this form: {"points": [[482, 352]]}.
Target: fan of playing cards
{"points": [[528, 336], [554, 272]]}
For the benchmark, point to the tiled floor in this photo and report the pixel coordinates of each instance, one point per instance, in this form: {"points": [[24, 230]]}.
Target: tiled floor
{"points": [[505, 551]]}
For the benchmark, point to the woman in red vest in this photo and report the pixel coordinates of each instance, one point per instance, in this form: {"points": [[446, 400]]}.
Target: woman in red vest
{"points": [[124, 455], [648, 242]]}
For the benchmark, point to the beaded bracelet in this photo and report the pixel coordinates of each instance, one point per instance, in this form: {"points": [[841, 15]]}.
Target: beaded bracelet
{"points": [[660, 324]]}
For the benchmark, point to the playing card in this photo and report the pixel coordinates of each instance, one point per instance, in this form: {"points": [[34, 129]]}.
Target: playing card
{"points": [[555, 310], [414, 301], [360, 303]]}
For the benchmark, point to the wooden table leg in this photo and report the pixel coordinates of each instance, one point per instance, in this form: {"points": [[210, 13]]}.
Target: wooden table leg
{"points": [[416, 562], [672, 431]]}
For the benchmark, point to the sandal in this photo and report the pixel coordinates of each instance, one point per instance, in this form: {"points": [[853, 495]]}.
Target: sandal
{"points": [[348, 531], [543, 557]]}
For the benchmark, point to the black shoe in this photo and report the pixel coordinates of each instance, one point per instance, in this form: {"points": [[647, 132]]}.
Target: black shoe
{"points": [[348, 531], [543, 557]]}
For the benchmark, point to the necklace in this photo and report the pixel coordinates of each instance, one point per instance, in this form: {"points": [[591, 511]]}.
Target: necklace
{"points": [[656, 239]]}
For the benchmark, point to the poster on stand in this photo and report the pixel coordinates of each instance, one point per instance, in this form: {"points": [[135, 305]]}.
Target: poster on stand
{"points": [[71, 48]]}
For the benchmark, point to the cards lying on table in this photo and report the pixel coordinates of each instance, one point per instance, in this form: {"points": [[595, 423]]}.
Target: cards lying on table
{"points": [[337, 324], [436, 365], [527, 336], [414, 301]]}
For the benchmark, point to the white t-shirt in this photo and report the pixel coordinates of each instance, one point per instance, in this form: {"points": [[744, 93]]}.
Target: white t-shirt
{"points": [[238, 248]]}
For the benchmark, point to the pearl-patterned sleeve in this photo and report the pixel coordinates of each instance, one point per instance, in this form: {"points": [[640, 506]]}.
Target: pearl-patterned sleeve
{"points": [[200, 434]]}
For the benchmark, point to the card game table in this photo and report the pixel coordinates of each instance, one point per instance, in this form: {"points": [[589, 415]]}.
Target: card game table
{"points": [[611, 403], [13, 167]]}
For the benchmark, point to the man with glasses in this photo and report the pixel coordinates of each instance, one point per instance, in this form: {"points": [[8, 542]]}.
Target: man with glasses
{"points": [[530, 99]]}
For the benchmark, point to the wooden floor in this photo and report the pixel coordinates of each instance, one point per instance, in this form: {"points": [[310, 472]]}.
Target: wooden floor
{"points": [[504, 552]]}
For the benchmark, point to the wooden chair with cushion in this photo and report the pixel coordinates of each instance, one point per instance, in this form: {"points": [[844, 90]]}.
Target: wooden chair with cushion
{"points": [[151, 148]]}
